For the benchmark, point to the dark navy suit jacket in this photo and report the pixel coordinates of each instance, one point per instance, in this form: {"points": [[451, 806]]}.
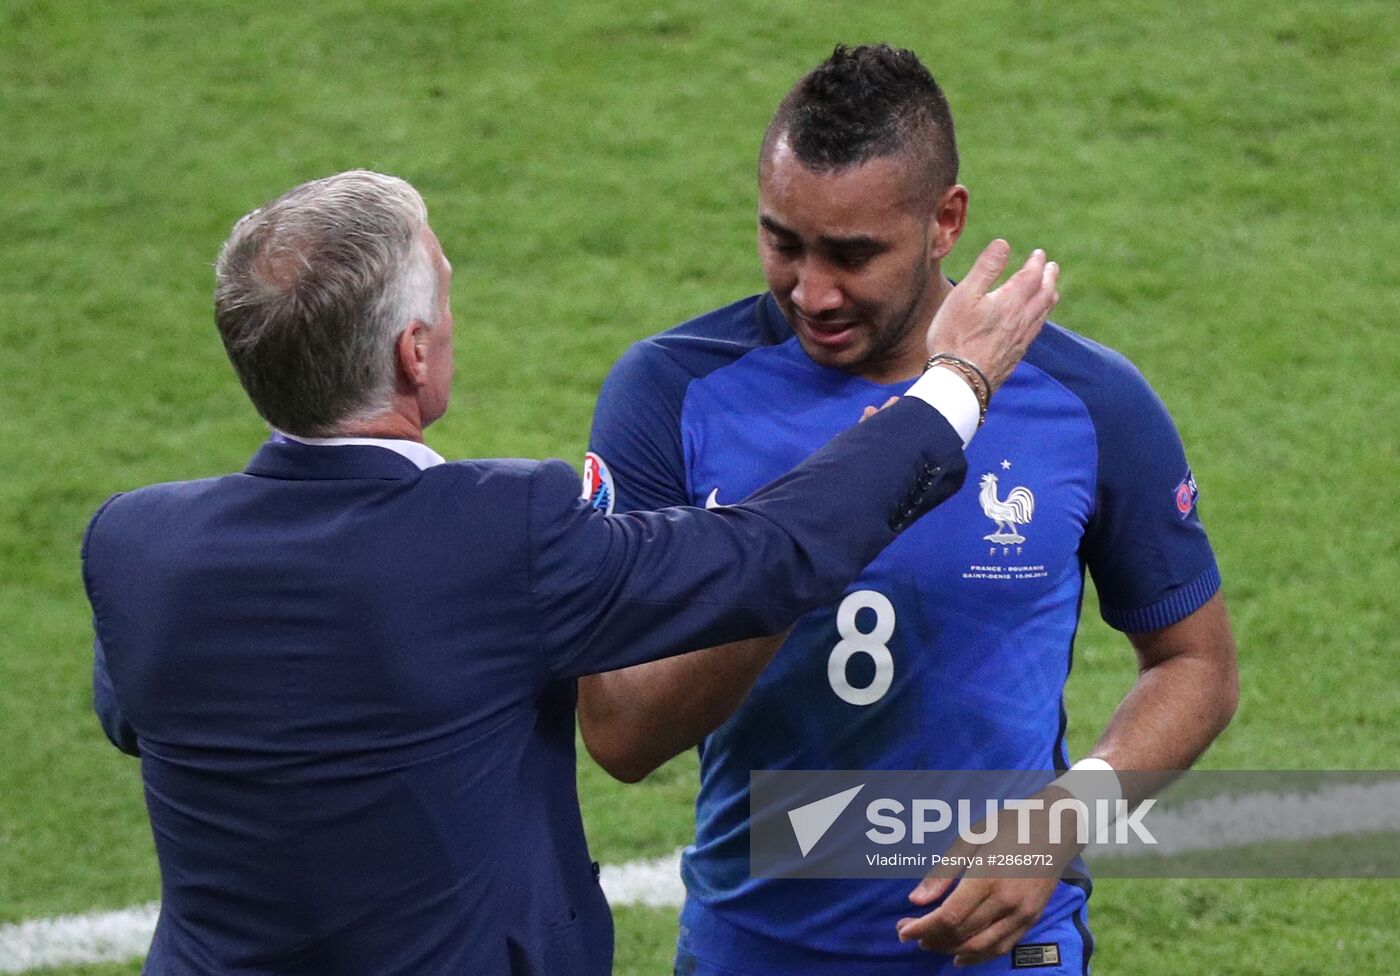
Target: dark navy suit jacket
{"points": [[350, 682]]}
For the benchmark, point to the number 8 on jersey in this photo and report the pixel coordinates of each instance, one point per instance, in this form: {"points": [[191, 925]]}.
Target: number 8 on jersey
{"points": [[855, 641]]}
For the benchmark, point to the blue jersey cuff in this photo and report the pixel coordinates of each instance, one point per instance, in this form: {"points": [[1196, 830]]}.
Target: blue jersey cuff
{"points": [[1178, 605]]}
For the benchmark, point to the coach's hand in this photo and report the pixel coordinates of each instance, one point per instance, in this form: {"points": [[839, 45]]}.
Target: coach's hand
{"points": [[985, 917], [993, 329]]}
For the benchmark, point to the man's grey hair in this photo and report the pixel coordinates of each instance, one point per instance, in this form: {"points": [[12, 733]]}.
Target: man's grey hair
{"points": [[312, 292]]}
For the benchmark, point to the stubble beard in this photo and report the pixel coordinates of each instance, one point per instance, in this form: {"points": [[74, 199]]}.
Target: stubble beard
{"points": [[892, 351]]}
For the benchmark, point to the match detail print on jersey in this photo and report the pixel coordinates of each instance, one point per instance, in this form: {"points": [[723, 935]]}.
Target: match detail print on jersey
{"points": [[1006, 558]]}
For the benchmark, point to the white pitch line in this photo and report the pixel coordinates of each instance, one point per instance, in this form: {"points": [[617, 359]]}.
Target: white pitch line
{"points": [[1213, 824], [654, 883], [74, 939], [1222, 822]]}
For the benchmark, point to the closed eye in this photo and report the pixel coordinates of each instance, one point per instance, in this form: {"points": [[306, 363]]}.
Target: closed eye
{"points": [[781, 242], [852, 261]]}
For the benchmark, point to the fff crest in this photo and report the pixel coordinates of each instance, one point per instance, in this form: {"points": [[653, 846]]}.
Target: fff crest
{"points": [[1016, 509]]}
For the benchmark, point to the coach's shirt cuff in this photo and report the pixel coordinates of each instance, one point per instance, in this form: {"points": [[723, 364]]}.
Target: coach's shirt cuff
{"points": [[950, 395]]}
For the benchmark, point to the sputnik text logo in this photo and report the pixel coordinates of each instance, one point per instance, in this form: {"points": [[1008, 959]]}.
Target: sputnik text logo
{"points": [[1102, 821]]}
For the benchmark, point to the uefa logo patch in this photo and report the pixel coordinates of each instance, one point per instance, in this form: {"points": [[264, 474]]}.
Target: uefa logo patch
{"points": [[597, 483], [1186, 495]]}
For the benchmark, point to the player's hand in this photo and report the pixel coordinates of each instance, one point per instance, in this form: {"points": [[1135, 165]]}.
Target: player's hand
{"points": [[872, 410], [982, 919], [986, 916], [993, 329]]}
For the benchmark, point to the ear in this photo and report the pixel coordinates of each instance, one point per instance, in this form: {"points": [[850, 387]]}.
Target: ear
{"points": [[411, 352], [949, 219]]}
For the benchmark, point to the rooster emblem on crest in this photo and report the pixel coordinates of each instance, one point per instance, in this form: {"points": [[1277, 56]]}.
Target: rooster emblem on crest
{"points": [[1017, 509]]}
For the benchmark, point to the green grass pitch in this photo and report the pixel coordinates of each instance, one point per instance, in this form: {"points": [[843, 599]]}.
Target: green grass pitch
{"points": [[1218, 181]]}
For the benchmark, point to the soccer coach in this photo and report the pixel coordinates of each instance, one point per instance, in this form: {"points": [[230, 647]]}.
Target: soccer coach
{"points": [[348, 670]]}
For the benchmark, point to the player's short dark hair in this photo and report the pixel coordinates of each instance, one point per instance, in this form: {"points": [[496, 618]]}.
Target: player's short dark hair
{"points": [[864, 103]]}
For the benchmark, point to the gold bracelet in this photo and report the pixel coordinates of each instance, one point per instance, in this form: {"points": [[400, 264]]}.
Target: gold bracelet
{"points": [[975, 378]]}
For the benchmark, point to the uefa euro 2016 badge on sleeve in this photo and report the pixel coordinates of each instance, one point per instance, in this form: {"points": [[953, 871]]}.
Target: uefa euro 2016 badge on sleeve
{"points": [[598, 484], [1186, 495]]}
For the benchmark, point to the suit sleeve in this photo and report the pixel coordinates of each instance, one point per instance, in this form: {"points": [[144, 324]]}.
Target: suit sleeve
{"points": [[635, 443], [104, 703], [613, 591], [1144, 544], [104, 699]]}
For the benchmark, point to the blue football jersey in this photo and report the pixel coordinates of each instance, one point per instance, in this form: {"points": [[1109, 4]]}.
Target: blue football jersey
{"points": [[952, 649]]}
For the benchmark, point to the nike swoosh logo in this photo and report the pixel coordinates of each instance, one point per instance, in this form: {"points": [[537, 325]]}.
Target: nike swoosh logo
{"points": [[713, 500]]}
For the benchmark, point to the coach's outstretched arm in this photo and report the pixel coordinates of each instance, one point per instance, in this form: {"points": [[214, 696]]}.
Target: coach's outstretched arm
{"points": [[635, 719]]}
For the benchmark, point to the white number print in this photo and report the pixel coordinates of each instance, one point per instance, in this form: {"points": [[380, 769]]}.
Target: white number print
{"points": [[853, 641]]}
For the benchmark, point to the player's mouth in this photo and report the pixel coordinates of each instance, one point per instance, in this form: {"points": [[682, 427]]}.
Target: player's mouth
{"points": [[825, 333]]}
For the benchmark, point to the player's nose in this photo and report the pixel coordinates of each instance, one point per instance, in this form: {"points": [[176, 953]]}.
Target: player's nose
{"points": [[816, 291]]}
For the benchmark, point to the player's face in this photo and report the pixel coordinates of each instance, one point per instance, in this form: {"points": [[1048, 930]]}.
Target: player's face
{"points": [[852, 257]]}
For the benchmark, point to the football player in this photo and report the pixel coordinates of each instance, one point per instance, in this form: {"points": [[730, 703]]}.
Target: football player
{"points": [[952, 650]]}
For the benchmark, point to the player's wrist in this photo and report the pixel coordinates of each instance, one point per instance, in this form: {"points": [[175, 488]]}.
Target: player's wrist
{"points": [[1091, 779], [1095, 784]]}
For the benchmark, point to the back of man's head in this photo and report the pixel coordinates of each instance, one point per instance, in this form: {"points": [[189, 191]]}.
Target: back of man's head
{"points": [[311, 292], [868, 102]]}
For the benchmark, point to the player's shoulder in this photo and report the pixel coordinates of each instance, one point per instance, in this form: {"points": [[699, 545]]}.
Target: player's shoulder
{"points": [[1078, 361], [702, 344], [721, 335], [1103, 379]]}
